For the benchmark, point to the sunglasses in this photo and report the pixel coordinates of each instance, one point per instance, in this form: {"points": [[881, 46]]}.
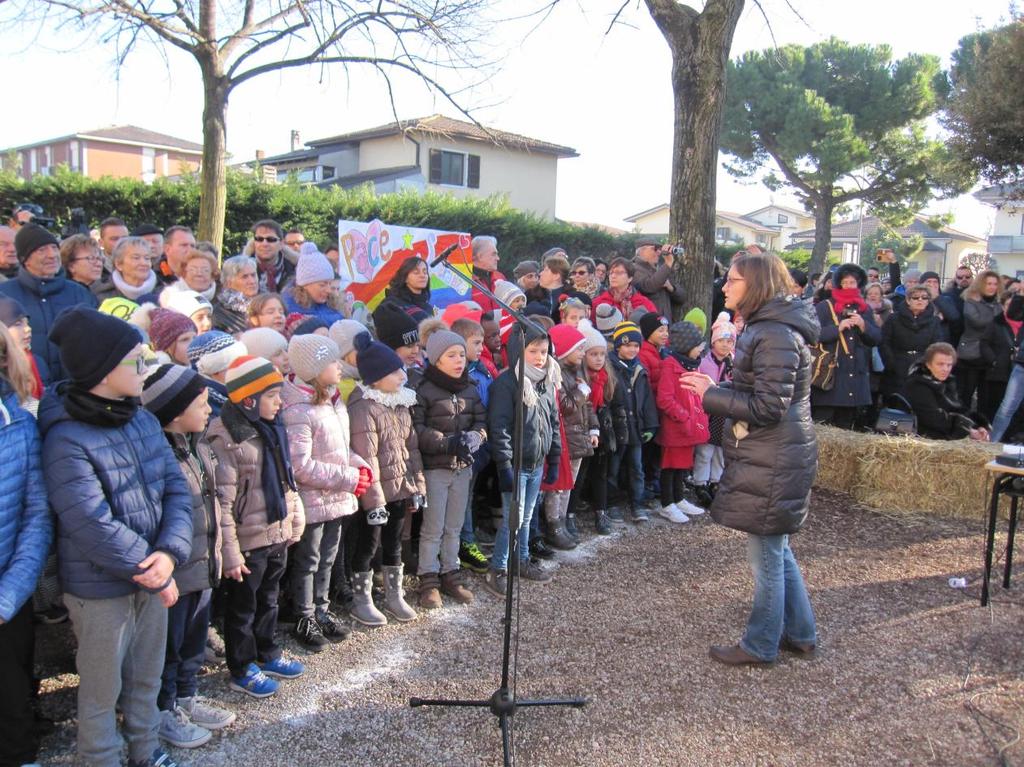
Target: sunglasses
{"points": [[267, 239], [580, 273], [139, 363]]}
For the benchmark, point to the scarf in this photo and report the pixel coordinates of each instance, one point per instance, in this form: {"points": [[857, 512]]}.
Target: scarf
{"points": [[85, 406], [623, 300], [37, 386], [550, 374], [598, 380], [270, 271], [591, 286], [233, 301], [445, 381], [1015, 325], [842, 298], [688, 363], [487, 360], [132, 292], [276, 470]]}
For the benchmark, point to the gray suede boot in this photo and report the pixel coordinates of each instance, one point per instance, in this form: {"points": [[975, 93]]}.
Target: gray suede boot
{"points": [[394, 596], [363, 609]]}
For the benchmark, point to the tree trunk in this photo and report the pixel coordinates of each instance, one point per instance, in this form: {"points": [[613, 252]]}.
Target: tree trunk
{"points": [[213, 177], [823, 208], [700, 46]]}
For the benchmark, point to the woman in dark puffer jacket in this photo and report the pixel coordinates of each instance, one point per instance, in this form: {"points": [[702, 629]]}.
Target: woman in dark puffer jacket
{"points": [[911, 329], [931, 391], [771, 453]]}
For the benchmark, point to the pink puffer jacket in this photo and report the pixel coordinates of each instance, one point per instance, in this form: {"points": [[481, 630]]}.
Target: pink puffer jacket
{"points": [[326, 470]]}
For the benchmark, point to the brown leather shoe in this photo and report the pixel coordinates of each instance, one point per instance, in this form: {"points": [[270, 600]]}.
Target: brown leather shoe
{"points": [[452, 586], [799, 649], [734, 655], [430, 591]]}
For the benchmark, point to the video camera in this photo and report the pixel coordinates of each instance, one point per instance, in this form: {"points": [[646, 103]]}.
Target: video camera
{"points": [[76, 225], [36, 215]]}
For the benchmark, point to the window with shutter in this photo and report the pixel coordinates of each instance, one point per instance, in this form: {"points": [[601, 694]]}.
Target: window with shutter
{"points": [[473, 176], [435, 166]]}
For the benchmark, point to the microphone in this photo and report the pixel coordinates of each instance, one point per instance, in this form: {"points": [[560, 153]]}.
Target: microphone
{"points": [[444, 255]]}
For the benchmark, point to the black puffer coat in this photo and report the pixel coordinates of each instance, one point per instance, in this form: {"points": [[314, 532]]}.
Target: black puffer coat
{"points": [[904, 340], [937, 406], [446, 408], [766, 486]]}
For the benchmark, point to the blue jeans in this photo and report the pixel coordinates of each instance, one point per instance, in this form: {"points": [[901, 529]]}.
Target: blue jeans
{"points": [[529, 489], [781, 605], [1011, 401], [633, 455]]}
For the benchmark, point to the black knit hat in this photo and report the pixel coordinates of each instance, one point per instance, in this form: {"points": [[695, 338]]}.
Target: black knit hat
{"points": [[683, 337], [91, 343], [169, 390], [394, 327], [374, 359], [848, 270], [30, 238], [651, 322]]}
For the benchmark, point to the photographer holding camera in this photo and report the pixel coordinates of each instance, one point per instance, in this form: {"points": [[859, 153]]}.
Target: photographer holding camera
{"points": [[847, 328], [652, 267]]}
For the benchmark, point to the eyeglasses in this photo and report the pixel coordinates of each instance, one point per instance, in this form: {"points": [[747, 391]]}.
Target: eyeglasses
{"points": [[731, 280], [580, 273], [139, 363], [293, 244], [258, 238], [94, 259]]}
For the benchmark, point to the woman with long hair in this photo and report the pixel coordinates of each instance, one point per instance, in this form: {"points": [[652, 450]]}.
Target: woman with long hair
{"points": [[981, 307], [771, 452], [409, 289]]}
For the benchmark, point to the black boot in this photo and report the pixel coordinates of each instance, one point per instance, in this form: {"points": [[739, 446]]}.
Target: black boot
{"points": [[570, 527], [540, 549], [557, 536], [602, 525], [702, 496]]}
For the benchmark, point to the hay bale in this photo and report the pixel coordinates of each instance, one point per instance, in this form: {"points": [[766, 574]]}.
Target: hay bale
{"points": [[907, 474]]}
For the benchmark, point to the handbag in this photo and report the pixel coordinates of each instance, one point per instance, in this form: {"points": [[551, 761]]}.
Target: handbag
{"points": [[824, 361], [896, 418], [969, 349]]}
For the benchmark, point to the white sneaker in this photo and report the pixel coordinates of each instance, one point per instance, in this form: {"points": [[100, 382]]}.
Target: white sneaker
{"points": [[203, 713], [689, 509], [177, 730], [673, 514]]}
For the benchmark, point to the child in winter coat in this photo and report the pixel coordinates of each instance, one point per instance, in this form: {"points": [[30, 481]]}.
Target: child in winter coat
{"points": [[125, 524], [26, 530], [451, 426], [654, 329], [400, 332], [343, 333], [15, 319], [572, 311], [541, 447], [492, 354], [609, 406], [211, 353], [383, 435], [268, 344], [684, 423], [261, 517], [579, 434], [329, 476], [170, 333], [708, 459], [641, 415], [178, 397]]}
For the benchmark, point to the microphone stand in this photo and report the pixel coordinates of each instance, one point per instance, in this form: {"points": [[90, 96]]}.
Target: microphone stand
{"points": [[503, 702]]}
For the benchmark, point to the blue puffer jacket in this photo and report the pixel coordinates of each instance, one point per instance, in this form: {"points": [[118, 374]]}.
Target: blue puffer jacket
{"points": [[119, 495], [43, 301], [26, 527]]}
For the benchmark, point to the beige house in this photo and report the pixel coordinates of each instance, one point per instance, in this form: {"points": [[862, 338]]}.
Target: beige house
{"points": [[436, 152], [943, 248], [1006, 243], [729, 227], [785, 221], [123, 151]]}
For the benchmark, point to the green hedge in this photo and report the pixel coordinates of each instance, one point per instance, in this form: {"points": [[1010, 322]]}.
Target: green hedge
{"points": [[314, 211]]}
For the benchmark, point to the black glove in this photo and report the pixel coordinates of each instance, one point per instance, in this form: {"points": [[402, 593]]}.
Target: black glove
{"points": [[463, 451], [506, 480], [551, 473], [451, 446]]}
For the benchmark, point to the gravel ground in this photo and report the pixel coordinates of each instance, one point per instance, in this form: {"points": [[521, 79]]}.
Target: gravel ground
{"points": [[910, 672]]}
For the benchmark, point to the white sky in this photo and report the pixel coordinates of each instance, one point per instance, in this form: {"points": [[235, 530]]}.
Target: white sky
{"points": [[609, 97]]}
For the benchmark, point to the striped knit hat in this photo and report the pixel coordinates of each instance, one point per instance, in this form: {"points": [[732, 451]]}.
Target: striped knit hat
{"points": [[627, 332], [212, 352], [169, 390], [250, 377]]}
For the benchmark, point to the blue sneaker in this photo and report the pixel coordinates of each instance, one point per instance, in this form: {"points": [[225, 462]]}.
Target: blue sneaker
{"points": [[282, 668], [254, 684], [160, 758]]}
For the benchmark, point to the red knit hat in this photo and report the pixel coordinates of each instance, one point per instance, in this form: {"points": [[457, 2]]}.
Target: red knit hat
{"points": [[566, 340]]}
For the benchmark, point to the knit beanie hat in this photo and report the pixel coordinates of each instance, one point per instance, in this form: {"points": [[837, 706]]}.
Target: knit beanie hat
{"points": [[395, 328], [165, 325], [651, 322], [626, 332], [310, 354], [441, 341], [684, 336], [213, 351], [343, 333], [637, 314], [11, 311], [247, 379], [723, 327], [169, 390], [375, 360], [263, 342], [120, 307], [698, 318], [186, 302], [92, 344], [455, 312], [507, 292], [925, 276], [566, 339], [593, 338], [606, 318], [29, 239], [313, 266], [525, 267]]}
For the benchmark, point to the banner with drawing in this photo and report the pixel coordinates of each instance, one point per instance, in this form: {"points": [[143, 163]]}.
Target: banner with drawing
{"points": [[370, 254]]}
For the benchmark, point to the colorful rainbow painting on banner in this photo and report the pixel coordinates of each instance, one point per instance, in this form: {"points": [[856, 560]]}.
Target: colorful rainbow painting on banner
{"points": [[370, 254]]}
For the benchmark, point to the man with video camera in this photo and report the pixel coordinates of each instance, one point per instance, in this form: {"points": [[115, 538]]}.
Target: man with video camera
{"points": [[652, 275]]}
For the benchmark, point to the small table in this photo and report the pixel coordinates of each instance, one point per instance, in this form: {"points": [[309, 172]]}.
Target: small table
{"points": [[1003, 478]]}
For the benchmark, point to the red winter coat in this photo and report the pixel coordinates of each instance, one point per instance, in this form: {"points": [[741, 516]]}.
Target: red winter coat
{"points": [[650, 358], [627, 307], [683, 420]]}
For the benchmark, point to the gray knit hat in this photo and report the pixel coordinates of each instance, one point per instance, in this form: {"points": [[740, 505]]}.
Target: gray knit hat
{"points": [[310, 354], [684, 336], [507, 292], [606, 317], [313, 266], [440, 341], [344, 332], [264, 342]]}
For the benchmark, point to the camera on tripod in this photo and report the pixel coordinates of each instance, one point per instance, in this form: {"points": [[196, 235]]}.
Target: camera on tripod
{"points": [[76, 225]]}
